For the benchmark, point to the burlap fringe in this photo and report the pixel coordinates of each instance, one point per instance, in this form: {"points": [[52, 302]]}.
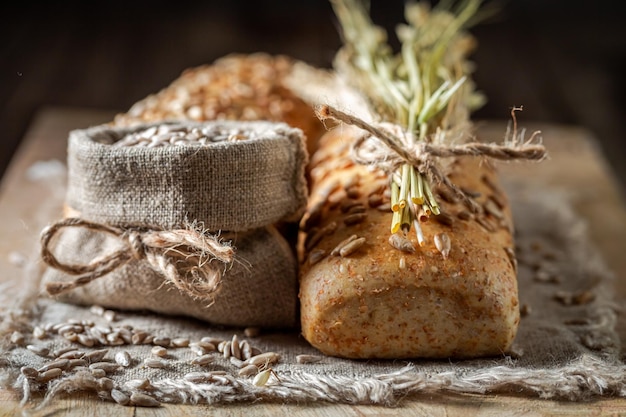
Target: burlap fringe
{"points": [[581, 380]]}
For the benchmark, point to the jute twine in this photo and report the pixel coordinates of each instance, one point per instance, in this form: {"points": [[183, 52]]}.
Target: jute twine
{"points": [[191, 259], [396, 147]]}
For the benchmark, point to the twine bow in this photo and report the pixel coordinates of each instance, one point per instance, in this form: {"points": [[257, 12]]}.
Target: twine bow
{"points": [[185, 257], [390, 151]]}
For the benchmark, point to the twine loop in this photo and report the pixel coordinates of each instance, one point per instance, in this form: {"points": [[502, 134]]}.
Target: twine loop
{"points": [[191, 259]]}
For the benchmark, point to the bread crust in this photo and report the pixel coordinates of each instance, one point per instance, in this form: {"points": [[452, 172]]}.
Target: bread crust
{"points": [[234, 87], [381, 302]]}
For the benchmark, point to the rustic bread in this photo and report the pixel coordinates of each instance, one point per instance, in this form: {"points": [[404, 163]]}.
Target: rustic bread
{"points": [[235, 87], [373, 300]]}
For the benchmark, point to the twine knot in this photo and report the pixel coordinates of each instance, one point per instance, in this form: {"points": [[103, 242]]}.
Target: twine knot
{"points": [[395, 146], [191, 259], [135, 244]]}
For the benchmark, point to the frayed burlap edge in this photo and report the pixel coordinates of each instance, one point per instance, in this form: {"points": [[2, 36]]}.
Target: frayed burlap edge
{"points": [[587, 377]]}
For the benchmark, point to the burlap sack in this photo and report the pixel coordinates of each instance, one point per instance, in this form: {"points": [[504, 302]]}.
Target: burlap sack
{"points": [[227, 193]]}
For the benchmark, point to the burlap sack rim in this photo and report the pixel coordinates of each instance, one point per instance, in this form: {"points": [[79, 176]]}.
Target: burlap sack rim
{"points": [[274, 135]]}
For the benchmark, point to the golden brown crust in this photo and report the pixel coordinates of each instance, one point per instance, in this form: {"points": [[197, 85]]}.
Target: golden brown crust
{"points": [[235, 87], [381, 302]]}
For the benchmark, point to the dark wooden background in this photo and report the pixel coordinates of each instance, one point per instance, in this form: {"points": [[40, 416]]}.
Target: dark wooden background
{"points": [[564, 61]]}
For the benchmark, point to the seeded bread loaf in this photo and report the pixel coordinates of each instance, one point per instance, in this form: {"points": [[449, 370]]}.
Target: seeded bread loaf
{"points": [[235, 87], [456, 296]]}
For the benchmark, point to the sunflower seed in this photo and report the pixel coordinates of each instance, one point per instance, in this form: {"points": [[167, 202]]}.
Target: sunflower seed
{"points": [[264, 359], [252, 331], [314, 238], [69, 354], [105, 384], [525, 310], [114, 338], [470, 193], [98, 373], [211, 339], [119, 397], [492, 208], [442, 243], [140, 384], [50, 374], [143, 400], [39, 333], [159, 351], [109, 315], [357, 209], [86, 340], [487, 225], [105, 366], [206, 345], [29, 372], [316, 255], [235, 348], [200, 348], [351, 247], [226, 349], [76, 362], [97, 310], [126, 335], [38, 350], [401, 242], [335, 251], [69, 328], [180, 342], [155, 363], [447, 195], [375, 200], [122, 358], [95, 355], [17, 338], [444, 218], [464, 215], [161, 341], [246, 351], [248, 370], [203, 360], [510, 253], [58, 363], [198, 377], [355, 218], [71, 336], [236, 362], [308, 358], [583, 297], [138, 337]]}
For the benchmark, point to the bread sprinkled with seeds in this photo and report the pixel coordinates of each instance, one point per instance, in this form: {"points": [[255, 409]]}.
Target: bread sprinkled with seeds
{"points": [[433, 273], [234, 87]]}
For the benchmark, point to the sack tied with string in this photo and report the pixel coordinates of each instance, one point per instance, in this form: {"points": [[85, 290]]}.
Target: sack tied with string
{"points": [[181, 219]]}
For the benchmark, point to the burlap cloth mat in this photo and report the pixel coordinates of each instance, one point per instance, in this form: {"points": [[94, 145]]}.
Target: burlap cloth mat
{"points": [[566, 347]]}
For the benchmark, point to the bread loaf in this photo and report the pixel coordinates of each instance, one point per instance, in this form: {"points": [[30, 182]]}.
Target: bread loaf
{"points": [[380, 301], [406, 247], [234, 87]]}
